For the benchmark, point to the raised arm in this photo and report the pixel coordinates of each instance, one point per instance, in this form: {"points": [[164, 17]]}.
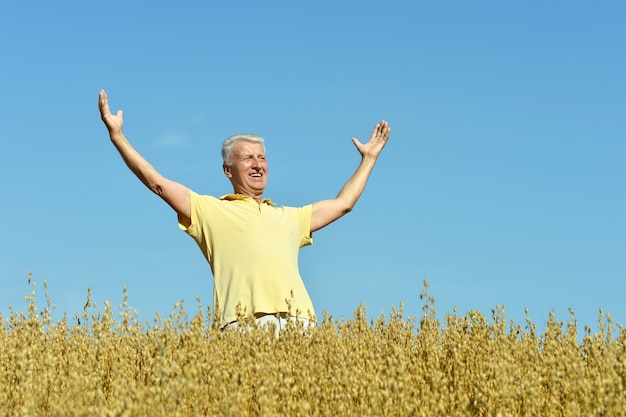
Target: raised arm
{"points": [[327, 211], [173, 193]]}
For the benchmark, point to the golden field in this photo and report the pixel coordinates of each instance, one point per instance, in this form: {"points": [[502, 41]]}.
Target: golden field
{"points": [[106, 364]]}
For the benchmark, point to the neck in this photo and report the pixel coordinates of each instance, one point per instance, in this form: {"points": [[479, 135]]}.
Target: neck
{"points": [[256, 197]]}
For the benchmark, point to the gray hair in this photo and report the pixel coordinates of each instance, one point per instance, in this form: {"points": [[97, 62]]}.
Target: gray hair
{"points": [[228, 146]]}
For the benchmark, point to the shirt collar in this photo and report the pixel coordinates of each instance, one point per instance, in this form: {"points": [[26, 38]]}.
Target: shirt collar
{"points": [[231, 197]]}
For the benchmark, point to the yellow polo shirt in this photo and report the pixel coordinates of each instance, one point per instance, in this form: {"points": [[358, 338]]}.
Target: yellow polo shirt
{"points": [[253, 253]]}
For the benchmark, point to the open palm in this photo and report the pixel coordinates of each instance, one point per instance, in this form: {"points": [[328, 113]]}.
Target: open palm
{"points": [[377, 141]]}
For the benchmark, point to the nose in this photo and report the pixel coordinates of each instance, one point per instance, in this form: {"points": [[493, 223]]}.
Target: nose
{"points": [[256, 163]]}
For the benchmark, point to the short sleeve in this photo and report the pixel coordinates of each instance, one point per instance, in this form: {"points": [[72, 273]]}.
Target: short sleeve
{"points": [[305, 221]]}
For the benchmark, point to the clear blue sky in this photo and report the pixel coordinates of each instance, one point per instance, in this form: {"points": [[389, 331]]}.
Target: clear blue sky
{"points": [[502, 183]]}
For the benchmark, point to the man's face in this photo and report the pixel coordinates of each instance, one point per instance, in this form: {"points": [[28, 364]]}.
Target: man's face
{"points": [[248, 170]]}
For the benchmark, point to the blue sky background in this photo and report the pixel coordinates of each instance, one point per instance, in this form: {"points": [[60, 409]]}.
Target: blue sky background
{"points": [[502, 183]]}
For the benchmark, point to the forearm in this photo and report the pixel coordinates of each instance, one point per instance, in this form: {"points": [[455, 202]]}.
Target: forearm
{"points": [[327, 211], [146, 173], [176, 195], [353, 188]]}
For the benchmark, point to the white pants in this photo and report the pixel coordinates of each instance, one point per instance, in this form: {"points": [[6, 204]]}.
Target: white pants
{"points": [[280, 322]]}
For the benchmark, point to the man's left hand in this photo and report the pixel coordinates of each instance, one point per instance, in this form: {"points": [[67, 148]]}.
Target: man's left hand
{"points": [[377, 141]]}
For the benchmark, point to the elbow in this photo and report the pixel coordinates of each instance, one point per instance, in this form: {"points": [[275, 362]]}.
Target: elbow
{"points": [[346, 204], [347, 208], [157, 189], [156, 186], [156, 183], [346, 201]]}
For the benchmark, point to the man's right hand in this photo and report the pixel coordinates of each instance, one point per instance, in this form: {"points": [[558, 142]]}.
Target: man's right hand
{"points": [[113, 122]]}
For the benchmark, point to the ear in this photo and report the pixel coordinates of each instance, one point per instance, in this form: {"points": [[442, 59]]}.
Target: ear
{"points": [[227, 170]]}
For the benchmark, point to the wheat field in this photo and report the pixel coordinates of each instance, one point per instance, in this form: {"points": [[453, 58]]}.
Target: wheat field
{"points": [[106, 363]]}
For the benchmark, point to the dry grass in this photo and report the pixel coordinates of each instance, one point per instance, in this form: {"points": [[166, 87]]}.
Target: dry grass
{"points": [[465, 365]]}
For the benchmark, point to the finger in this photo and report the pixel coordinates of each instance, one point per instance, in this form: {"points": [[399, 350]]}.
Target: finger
{"points": [[385, 128], [381, 131], [376, 131], [103, 103]]}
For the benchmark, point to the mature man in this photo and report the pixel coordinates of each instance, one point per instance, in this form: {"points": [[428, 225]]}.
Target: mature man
{"points": [[251, 245]]}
